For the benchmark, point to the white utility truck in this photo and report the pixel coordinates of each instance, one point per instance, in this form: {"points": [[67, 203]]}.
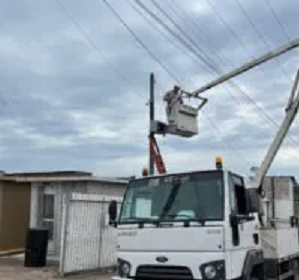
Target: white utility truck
{"points": [[212, 224]]}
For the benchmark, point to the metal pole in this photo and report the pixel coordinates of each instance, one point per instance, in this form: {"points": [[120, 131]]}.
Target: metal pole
{"points": [[152, 118]]}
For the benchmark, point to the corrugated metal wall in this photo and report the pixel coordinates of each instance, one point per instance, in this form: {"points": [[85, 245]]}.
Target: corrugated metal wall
{"points": [[87, 241], [108, 254], [62, 189]]}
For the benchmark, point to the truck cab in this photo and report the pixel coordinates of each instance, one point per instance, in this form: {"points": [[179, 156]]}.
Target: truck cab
{"points": [[195, 225]]}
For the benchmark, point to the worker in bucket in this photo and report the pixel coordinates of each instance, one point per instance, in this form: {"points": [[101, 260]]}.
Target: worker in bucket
{"points": [[173, 96]]}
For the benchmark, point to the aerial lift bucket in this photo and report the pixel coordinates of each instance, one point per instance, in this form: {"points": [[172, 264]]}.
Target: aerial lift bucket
{"points": [[182, 118]]}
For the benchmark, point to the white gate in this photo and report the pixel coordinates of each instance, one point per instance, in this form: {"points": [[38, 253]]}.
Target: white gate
{"points": [[87, 242]]}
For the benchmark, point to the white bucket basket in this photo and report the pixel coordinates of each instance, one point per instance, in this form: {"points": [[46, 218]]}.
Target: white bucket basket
{"points": [[182, 118]]}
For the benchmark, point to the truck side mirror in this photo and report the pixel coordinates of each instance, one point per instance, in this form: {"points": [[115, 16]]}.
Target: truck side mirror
{"points": [[234, 221], [252, 200], [112, 212]]}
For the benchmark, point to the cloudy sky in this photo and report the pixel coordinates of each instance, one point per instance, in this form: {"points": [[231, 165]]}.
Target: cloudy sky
{"points": [[74, 82]]}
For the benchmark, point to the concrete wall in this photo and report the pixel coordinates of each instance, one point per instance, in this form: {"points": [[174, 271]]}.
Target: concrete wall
{"points": [[15, 215]]}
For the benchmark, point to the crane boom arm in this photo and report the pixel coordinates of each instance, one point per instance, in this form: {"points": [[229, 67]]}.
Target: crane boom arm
{"points": [[291, 110], [246, 67], [291, 113]]}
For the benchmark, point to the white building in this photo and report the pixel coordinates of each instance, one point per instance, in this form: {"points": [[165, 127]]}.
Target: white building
{"points": [[47, 193]]}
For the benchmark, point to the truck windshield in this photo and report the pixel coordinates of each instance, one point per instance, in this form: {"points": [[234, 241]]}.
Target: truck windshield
{"points": [[192, 196]]}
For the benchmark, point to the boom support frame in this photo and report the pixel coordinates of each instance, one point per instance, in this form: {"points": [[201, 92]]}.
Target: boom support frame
{"points": [[291, 112]]}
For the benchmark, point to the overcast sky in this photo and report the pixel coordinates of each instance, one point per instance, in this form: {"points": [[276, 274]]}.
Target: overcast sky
{"points": [[74, 83]]}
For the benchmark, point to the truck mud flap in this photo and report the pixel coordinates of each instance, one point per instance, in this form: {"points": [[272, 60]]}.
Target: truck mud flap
{"points": [[253, 265]]}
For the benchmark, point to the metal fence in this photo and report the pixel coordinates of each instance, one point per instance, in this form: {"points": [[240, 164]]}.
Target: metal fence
{"points": [[87, 242]]}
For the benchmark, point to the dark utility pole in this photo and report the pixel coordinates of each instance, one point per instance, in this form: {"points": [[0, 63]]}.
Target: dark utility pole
{"points": [[152, 118]]}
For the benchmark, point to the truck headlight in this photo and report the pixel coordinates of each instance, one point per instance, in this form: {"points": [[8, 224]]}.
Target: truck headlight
{"points": [[210, 271], [123, 268], [213, 270]]}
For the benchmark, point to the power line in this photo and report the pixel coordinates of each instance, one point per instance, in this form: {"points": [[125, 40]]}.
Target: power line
{"points": [[260, 35], [143, 45], [231, 31], [177, 36], [208, 61], [170, 7], [244, 12], [235, 35], [163, 34], [279, 22], [89, 40]]}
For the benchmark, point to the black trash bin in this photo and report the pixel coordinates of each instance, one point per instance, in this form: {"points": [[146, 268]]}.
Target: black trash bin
{"points": [[36, 248]]}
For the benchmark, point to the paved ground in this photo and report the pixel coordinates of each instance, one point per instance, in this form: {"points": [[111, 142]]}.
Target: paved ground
{"points": [[14, 270]]}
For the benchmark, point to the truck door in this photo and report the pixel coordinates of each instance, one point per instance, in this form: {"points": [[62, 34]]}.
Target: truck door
{"points": [[246, 237]]}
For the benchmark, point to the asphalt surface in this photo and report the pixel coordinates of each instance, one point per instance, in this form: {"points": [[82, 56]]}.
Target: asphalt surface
{"points": [[15, 270]]}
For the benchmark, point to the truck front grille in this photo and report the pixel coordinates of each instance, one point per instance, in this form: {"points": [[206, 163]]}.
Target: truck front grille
{"points": [[149, 272]]}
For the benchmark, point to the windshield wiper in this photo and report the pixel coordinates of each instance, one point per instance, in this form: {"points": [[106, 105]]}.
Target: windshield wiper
{"points": [[138, 219], [199, 220], [177, 216]]}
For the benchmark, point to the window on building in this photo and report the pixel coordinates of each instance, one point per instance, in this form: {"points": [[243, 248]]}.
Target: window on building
{"points": [[48, 213]]}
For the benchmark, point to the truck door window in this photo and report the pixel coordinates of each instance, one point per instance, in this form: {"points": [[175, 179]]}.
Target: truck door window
{"points": [[240, 195], [241, 199]]}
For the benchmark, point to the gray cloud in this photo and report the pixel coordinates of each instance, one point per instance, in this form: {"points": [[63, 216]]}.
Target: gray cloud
{"points": [[67, 104]]}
